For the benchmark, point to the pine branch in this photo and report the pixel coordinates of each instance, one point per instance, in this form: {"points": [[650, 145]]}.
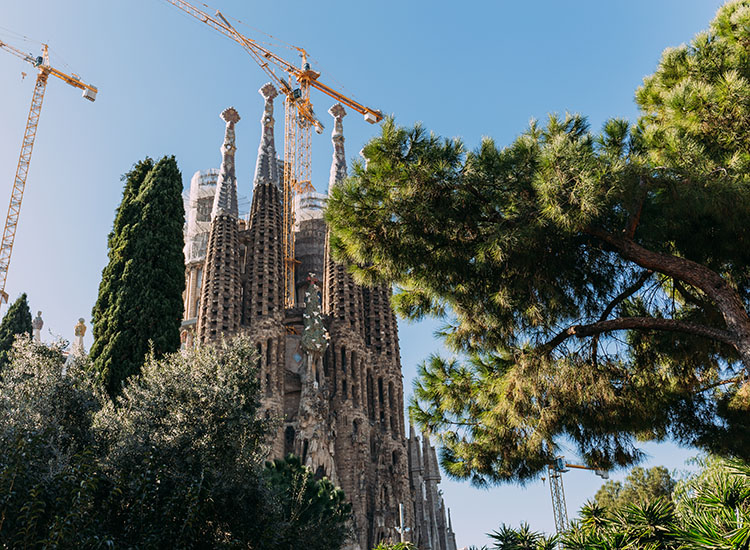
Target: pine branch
{"points": [[635, 216], [690, 298], [712, 284], [638, 323], [624, 295]]}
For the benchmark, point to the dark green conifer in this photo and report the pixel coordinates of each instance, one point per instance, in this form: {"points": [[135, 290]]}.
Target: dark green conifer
{"points": [[16, 321], [140, 297], [127, 213]]}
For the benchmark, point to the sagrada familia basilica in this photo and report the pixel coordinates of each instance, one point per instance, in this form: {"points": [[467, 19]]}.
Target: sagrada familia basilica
{"points": [[330, 366]]}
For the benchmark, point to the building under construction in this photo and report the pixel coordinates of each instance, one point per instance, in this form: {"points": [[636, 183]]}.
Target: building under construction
{"points": [[329, 365]]}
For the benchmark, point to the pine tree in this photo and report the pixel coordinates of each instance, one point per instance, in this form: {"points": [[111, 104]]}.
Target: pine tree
{"points": [[16, 321], [140, 303], [597, 282]]}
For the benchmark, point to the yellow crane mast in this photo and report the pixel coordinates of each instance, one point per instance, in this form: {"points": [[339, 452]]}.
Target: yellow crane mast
{"points": [[19, 183], [299, 119]]}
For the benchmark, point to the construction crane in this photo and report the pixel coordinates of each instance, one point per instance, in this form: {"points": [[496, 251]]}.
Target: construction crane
{"points": [[299, 119], [559, 508], [19, 183]]}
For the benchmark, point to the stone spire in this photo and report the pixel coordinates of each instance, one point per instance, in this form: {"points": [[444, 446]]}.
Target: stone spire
{"points": [[264, 267], [342, 297], [338, 166], [219, 313], [225, 199], [267, 167]]}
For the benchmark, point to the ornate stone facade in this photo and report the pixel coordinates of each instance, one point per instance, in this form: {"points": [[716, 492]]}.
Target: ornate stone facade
{"points": [[330, 366]]}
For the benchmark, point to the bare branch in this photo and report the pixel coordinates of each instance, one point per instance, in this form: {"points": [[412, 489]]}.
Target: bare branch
{"points": [[627, 293], [638, 323], [624, 295]]}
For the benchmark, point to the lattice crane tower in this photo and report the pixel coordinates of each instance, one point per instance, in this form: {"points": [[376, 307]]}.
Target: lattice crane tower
{"points": [[19, 183]]}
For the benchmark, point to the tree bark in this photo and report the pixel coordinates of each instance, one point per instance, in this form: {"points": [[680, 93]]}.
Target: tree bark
{"points": [[726, 298]]}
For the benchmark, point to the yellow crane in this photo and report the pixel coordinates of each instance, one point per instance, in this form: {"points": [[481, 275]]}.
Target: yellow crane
{"points": [[19, 183], [299, 119], [559, 508]]}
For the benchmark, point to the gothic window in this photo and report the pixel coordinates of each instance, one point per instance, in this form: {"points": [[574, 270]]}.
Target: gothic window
{"points": [[203, 209], [198, 278], [392, 405], [381, 401], [269, 352], [343, 359], [289, 440], [370, 398]]}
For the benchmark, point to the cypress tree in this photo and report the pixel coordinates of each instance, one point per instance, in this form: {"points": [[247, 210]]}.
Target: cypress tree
{"points": [[140, 303], [127, 213], [17, 321]]}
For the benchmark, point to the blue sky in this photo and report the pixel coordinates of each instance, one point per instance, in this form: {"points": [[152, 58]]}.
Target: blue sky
{"points": [[469, 69]]}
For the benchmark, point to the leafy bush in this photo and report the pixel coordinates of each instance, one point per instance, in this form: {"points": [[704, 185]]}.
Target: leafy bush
{"points": [[175, 462]]}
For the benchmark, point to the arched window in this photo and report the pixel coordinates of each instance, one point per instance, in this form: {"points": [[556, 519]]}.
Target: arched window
{"points": [[370, 397], [381, 401], [392, 406], [289, 436]]}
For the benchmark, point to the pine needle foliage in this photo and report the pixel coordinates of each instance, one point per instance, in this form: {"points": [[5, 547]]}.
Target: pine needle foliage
{"points": [[597, 282], [17, 321], [140, 297]]}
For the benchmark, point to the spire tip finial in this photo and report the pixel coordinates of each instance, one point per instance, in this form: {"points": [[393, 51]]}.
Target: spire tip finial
{"points": [[230, 114], [337, 111], [268, 91]]}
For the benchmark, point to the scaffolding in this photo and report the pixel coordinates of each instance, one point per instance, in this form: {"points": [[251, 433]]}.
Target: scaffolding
{"points": [[199, 203]]}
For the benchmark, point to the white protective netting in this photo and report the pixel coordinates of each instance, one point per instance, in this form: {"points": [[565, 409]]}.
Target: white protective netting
{"points": [[308, 206], [198, 205]]}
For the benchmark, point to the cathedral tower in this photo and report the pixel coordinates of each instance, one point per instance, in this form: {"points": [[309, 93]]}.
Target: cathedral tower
{"points": [[329, 366], [342, 297], [264, 286], [262, 262], [219, 312]]}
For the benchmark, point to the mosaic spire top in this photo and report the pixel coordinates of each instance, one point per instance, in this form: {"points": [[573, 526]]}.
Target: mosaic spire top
{"points": [[266, 168], [338, 166], [225, 200]]}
